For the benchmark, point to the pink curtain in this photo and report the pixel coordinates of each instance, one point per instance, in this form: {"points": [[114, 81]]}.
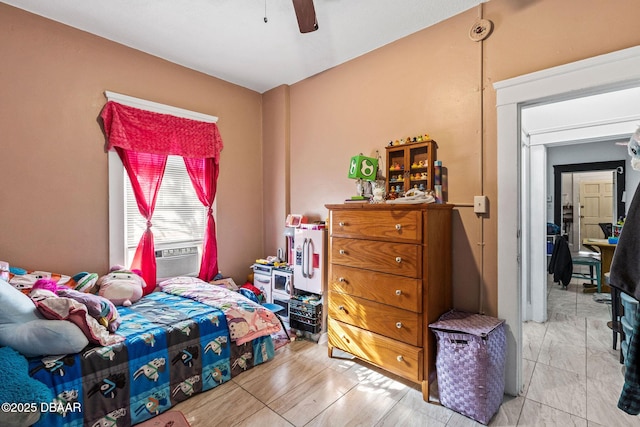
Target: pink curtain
{"points": [[143, 139], [204, 177], [145, 171], [148, 132]]}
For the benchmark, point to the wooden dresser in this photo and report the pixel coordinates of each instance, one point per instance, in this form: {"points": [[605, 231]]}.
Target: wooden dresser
{"points": [[389, 277]]}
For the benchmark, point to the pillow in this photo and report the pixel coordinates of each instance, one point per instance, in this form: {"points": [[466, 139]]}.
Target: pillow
{"points": [[23, 282], [25, 330], [19, 387]]}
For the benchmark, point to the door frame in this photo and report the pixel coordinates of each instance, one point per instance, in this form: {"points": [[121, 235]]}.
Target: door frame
{"points": [[599, 74], [558, 170]]}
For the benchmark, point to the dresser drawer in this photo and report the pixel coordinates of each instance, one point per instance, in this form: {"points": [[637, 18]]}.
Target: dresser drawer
{"points": [[395, 323], [403, 259], [398, 291], [394, 356], [400, 226]]}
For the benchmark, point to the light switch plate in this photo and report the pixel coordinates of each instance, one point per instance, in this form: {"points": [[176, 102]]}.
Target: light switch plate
{"points": [[480, 204]]}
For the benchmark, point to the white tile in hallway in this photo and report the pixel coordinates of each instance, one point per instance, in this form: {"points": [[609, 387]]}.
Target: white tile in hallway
{"points": [[603, 399], [535, 414], [532, 336], [559, 389]]}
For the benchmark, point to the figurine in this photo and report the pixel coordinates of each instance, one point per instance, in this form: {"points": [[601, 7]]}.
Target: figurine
{"points": [[423, 175], [421, 163], [402, 141], [419, 138], [414, 165], [378, 194]]}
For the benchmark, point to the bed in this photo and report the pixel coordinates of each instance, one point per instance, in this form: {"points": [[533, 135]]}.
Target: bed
{"points": [[185, 339]]}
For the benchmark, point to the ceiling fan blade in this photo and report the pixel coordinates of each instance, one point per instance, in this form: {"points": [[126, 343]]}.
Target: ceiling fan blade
{"points": [[306, 14]]}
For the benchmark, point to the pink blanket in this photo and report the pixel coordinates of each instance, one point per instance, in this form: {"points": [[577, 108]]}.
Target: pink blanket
{"points": [[246, 319]]}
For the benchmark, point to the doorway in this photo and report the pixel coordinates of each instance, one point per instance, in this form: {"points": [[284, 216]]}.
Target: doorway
{"points": [[585, 195], [599, 74]]}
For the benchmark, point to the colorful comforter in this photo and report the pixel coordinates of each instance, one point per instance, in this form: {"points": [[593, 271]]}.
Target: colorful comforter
{"points": [[173, 348], [246, 319]]}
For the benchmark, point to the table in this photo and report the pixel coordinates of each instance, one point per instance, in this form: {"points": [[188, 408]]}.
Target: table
{"points": [[606, 250]]}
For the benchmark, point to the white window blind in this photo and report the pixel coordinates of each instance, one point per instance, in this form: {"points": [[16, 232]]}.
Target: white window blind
{"points": [[179, 216]]}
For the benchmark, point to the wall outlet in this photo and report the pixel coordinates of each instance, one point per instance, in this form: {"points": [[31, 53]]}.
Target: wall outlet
{"points": [[480, 204]]}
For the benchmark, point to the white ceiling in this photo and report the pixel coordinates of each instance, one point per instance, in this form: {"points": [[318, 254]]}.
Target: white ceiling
{"points": [[229, 39], [609, 116]]}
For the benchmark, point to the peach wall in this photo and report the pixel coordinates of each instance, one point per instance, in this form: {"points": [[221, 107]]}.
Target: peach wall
{"points": [[275, 125], [438, 81], [54, 167], [428, 82]]}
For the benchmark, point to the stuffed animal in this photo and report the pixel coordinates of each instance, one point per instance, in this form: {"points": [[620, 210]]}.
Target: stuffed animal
{"points": [[84, 282], [43, 288], [98, 307], [634, 149], [121, 286]]}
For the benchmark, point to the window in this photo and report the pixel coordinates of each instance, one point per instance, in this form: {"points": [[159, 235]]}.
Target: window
{"points": [[179, 218]]}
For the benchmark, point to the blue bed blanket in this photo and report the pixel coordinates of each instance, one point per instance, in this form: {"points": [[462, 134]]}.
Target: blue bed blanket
{"points": [[174, 348]]}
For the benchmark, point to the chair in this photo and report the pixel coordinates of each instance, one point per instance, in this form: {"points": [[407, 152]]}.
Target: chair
{"points": [[274, 308], [616, 311], [607, 229], [591, 262]]}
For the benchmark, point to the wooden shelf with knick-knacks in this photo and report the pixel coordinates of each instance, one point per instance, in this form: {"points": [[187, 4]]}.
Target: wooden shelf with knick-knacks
{"points": [[410, 165]]}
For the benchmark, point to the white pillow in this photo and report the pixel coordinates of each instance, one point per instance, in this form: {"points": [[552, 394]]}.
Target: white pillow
{"points": [[25, 330]]}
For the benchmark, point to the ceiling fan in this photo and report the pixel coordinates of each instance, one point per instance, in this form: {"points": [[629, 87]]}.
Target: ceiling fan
{"points": [[306, 15]]}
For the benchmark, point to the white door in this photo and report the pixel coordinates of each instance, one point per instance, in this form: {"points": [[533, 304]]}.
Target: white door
{"points": [[596, 206]]}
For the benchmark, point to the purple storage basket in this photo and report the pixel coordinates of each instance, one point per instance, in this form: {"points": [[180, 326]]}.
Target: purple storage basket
{"points": [[470, 363]]}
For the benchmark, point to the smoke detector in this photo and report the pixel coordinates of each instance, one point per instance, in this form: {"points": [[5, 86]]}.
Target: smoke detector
{"points": [[480, 30]]}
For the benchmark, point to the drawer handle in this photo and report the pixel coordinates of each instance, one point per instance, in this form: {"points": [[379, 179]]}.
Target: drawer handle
{"points": [[342, 252], [398, 259], [399, 325], [341, 279], [398, 227], [345, 338], [398, 292], [341, 307], [399, 358], [341, 224]]}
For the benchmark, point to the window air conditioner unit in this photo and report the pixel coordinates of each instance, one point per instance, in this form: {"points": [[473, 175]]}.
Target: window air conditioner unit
{"points": [[177, 261]]}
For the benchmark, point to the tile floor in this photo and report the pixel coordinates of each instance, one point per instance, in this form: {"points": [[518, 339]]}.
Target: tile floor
{"points": [[572, 377]]}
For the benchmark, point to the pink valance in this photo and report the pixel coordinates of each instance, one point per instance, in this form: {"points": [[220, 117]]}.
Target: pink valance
{"points": [[144, 131]]}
